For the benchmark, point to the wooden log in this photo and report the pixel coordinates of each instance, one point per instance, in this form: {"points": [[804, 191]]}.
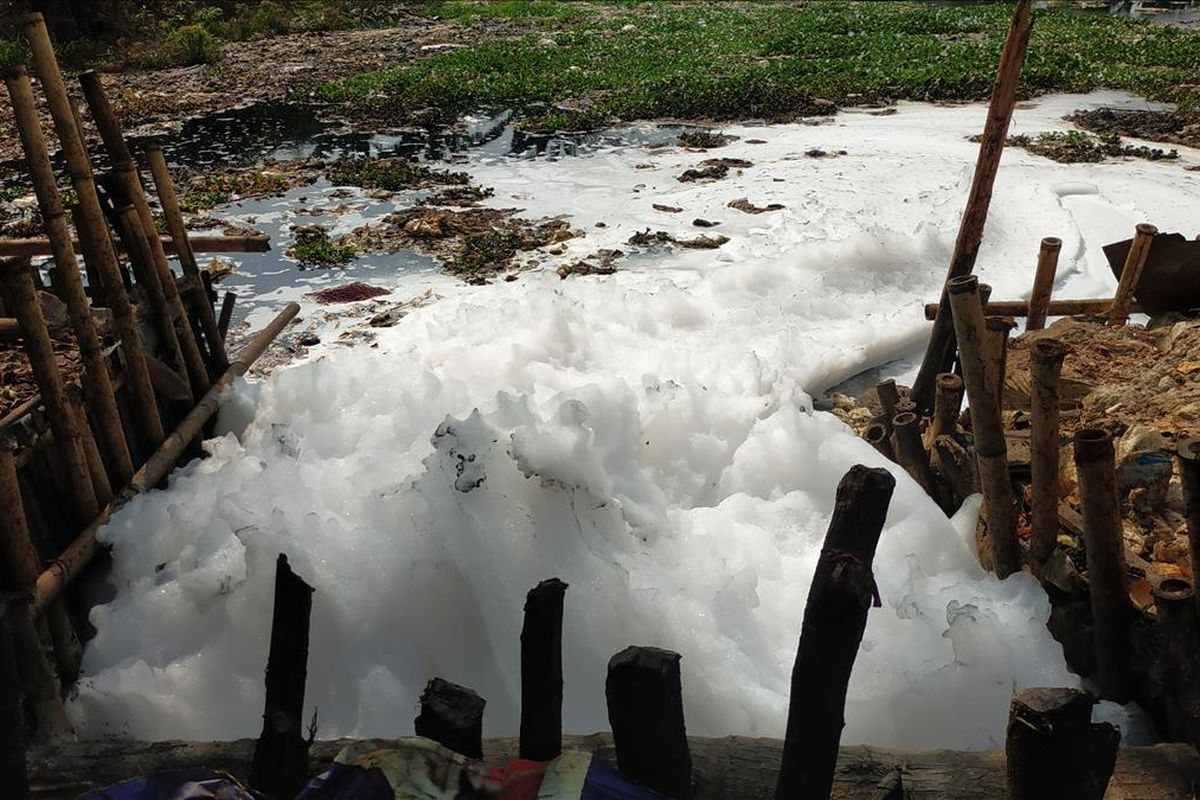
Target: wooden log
{"points": [[726, 768], [645, 710], [97, 383], [947, 403], [71, 562], [68, 440], [280, 764], [877, 436], [541, 672], [889, 399], [1043, 283], [159, 270], [835, 616], [253, 243], [1131, 273], [452, 716], [910, 452], [940, 353], [14, 775], [1095, 465], [1054, 750], [1056, 308], [226, 314], [1046, 361], [1174, 603], [1188, 452], [201, 308], [93, 230], [991, 449]]}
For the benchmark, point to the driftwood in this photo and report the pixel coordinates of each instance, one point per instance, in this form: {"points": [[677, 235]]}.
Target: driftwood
{"points": [[728, 768], [253, 243]]}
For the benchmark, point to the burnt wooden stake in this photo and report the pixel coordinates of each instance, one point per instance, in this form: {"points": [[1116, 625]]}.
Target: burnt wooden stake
{"points": [[280, 764], [645, 711], [1043, 283], [1095, 464], [1188, 451], [1045, 365], [842, 591], [541, 672], [1175, 608], [1054, 749], [452, 716], [13, 775]]}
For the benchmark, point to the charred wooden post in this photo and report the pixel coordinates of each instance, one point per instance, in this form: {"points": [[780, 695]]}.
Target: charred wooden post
{"points": [[889, 399], [226, 314], [1188, 451], [876, 435], [1095, 464], [201, 307], [940, 352], [541, 672], [68, 440], [93, 230], [1043, 283], [1045, 366], [1131, 272], [452, 716], [142, 260], [1056, 308], [1174, 602], [835, 617], [13, 775], [280, 764], [645, 712], [996, 353], [957, 468], [991, 449], [947, 402], [1054, 749], [97, 383], [910, 452], [127, 174]]}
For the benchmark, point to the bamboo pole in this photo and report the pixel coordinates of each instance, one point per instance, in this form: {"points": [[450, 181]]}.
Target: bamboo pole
{"points": [[1043, 282], [910, 452], [996, 353], [226, 314], [958, 469], [947, 403], [1095, 465], [97, 383], [1188, 452], [91, 452], [67, 566], [201, 308], [877, 436], [254, 243], [991, 450], [1131, 272], [1046, 361], [142, 239], [940, 353], [1174, 603], [889, 399], [93, 230], [1056, 308]]}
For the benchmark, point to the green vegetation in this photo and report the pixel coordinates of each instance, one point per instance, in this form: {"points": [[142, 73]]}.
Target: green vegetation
{"points": [[13, 52], [314, 248], [522, 10], [1069, 147], [772, 60], [391, 174], [213, 189]]}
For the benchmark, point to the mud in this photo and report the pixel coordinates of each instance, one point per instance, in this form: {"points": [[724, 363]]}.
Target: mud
{"points": [[1171, 127]]}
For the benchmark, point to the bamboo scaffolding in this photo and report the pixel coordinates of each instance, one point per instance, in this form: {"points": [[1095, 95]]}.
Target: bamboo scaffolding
{"points": [[201, 308], [1055, 308], [200, 244], [1045, 365], [93, 230], [1043, 282], [142, 237], [991, 449], [97, 383], [1131, 273], [67, 566]]}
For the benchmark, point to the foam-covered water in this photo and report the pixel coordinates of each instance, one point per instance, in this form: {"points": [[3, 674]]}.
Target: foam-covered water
{"points": [[647, 437]]}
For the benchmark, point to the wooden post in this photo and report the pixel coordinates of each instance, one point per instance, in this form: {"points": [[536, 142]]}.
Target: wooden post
{"points": [[280, 764], [1131, 272], [1043, 283], [1188, 452], [842, 591], [201, 308], [1174, 604], [68, 440], [947, 403], [910, 452], [541, 672], [97, 383], [940, 352], [1095, 465], [876, 435], [93, 230], [13, 775], [126, 171], [991, 449], [452, 716], [1046, 361], [645, 712], [1054, 749], [226, 314]]}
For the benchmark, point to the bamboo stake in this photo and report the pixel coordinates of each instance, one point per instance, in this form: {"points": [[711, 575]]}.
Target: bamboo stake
{"points": [[187, 259], [877, 436], [889, 399], [97, 383], [958, 469], [1095, 464], [114, 141], [991, 450], [91, 452], [226, 314], [93, 230], [1055, 308], [254, 243], [1043, 283], [996, 353], [67, 566], [1188, 452], [947, 403], [1045, 365], [1131, 272], [1174, 603], [910, 452], [940, 352]]}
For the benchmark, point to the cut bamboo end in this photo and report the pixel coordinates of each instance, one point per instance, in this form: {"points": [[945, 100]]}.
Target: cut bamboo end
{"points": [[877, 436], [1043, 282], [1131, 272], [1045, 365], [1092, 445]]}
